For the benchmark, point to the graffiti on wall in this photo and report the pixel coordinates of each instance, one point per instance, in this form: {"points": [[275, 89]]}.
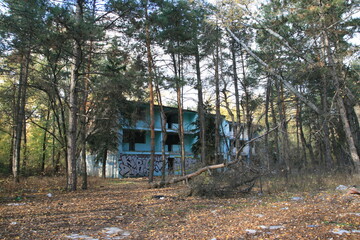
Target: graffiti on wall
{"points": [[137, 165]]}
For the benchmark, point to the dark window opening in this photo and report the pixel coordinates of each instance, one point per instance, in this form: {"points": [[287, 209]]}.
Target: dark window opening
{"points": [[172, 139], [171, 118], [171, 166], [132, 137], [139, 114], [131, 146]]}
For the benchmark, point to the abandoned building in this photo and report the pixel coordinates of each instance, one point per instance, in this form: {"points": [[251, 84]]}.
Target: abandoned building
{"points": [[134, 149]]}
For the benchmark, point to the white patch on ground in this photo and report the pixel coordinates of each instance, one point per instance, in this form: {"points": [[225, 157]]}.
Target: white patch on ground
{"points": [[111, 233], [341, 188], [250, 231], [16, 204], [340, 231], [112, 230], [275, 227], [78, 236]]}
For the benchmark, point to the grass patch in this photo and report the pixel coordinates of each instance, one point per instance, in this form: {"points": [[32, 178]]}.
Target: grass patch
{"points": [[339, 224], [310, 182]]}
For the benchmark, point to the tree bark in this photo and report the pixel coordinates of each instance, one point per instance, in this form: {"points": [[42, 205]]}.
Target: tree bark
{"points": [[73, 105], [20, 115], [163, 132], [248, 115], [217, 104], [201, 113], [151, 92], [237, 126], [43, 155], [104, 158], [181, 128], [267, 124]]}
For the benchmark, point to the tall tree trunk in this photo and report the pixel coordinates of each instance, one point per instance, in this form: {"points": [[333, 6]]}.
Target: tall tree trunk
{"points": [[43, 155], [237, 126], [25, 149], [325, 121], [267, 145], [104, 158], [177, 70], [73, 104], [163, 132], [284, 140], [276, 138], [20, 115], [181, 127], [300, 133], [151, 92], [200, 108], [53, 148], [217, 104], [84, 118], [248, 114]]}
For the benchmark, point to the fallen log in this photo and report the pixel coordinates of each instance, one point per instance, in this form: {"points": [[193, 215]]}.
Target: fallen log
{"points": [[210, 167]]}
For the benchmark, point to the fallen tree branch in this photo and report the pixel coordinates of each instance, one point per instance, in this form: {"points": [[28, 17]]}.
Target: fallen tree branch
{"points": [[211, 167], [273, 73]]}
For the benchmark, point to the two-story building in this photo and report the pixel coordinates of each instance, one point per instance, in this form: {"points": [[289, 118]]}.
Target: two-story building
{"points": [[133, 156]]}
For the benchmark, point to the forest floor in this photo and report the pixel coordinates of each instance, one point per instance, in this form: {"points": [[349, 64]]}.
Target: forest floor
{"points": [[127, 209]]}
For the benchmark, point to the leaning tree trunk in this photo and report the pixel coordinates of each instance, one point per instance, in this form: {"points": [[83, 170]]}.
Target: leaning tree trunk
{"points": [[341, 106]]}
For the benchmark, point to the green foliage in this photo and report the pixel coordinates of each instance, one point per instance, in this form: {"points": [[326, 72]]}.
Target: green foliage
{"points": [[209, 133], [110, 94]]}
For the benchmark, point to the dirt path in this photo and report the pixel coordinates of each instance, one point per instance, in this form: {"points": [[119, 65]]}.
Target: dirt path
{"points": [[126, 209]]}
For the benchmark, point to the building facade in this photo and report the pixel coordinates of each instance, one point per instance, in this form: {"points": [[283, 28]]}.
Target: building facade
{"points": [[133, 156]]}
